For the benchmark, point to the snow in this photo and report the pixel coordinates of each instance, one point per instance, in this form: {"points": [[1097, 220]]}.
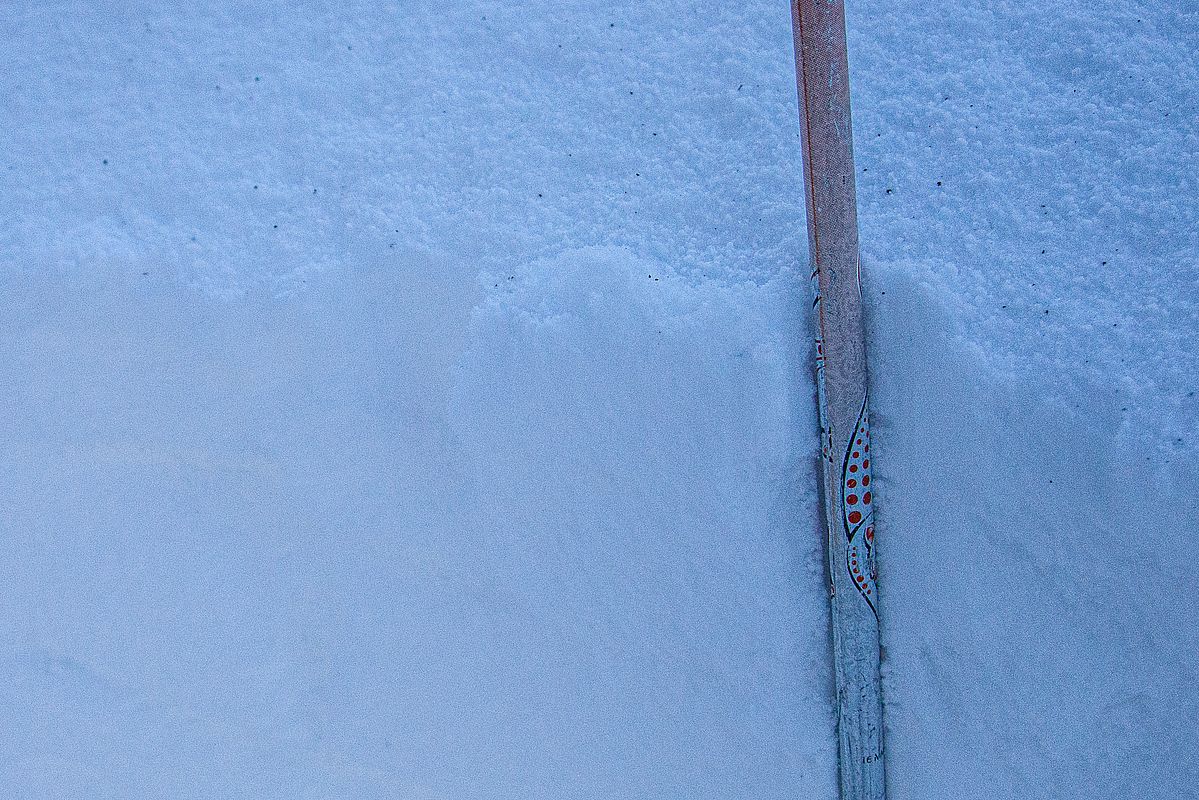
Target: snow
{"points": [[1027, 208], [408, 400]]}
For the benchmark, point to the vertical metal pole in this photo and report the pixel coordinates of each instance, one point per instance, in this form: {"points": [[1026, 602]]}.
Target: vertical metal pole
{"points": [[822, 70]]}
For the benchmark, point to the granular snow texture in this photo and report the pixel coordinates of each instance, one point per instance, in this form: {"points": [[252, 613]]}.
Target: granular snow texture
{"points": [[414, 400]]}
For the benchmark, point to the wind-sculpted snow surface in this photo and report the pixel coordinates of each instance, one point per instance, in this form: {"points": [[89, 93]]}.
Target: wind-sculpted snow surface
{"points": [[294, 503], [1028, 225], [1038, 597], [633, 438], [247, 550]]}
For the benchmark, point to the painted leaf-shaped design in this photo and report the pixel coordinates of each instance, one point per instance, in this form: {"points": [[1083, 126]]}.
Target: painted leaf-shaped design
{"points": [[857, 510]]}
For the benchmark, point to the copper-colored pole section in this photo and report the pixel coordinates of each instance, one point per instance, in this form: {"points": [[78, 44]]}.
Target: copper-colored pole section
{"points": [[822, 69]]}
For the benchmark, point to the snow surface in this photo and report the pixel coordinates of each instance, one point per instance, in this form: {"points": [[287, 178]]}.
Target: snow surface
{"points": [[407, 400]]}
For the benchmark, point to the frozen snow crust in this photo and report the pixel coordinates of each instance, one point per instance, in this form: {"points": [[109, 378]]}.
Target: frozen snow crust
{"points": [[414, 400]]}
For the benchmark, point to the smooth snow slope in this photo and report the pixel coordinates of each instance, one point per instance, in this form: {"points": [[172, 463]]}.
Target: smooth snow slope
{"points": [[412, 400]]}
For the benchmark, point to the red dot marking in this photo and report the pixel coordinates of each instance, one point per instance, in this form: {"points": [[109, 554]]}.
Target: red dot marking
{"points": [[852, 499], [870, 534], [851, 483], [866, 497], [855, 517], [859, 441], [866, 463], [867, 448], [865, 480], [853, 467]]}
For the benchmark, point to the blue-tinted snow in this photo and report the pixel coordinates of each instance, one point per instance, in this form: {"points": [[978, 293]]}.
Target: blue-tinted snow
{"points": [[413, 400]]}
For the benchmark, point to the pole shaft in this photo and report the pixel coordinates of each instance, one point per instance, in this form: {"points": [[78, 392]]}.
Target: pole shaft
{"points": [[822, 71]]}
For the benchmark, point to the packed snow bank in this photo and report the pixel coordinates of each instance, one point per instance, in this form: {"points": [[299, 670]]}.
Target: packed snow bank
{"points": [[1039, 607], [292, 506], [253, 553], [1039, 162], [633, 437], [1030, 238], [361, 537], [224, 535]]}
